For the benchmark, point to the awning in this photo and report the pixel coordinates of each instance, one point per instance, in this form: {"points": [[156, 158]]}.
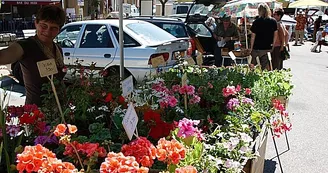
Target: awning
{"points": [[30, 2]]}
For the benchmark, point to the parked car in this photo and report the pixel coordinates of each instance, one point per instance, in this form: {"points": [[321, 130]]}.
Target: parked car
{"points": [[98, 41]]}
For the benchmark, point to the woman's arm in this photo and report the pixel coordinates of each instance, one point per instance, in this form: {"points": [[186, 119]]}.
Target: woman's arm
{"points": [[252, 40], [11, 54]]}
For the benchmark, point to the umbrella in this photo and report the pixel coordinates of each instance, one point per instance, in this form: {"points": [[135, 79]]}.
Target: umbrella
{"points": [[302, 3], [246, 7]]}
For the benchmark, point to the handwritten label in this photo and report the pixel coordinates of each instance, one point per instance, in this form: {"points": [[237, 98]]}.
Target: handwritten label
{"points": [[184, 79], [130, 121], [269, 56], [190, 61], [232, 55], [199, 59], [47, 67], [127, 86], [155, 62]]}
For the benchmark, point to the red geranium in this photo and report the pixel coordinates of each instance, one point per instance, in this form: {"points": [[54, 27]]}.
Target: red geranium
{"points": [[158, 128]]}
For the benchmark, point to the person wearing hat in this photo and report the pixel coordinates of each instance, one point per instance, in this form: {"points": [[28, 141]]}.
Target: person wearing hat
{"points": [[299, 28], [226, 33]]}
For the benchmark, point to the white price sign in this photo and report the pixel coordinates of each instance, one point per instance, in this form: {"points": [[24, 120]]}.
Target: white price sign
{"points": [[127, 86], [130, 121], [232, 55], [199, 59], [47, 67]]}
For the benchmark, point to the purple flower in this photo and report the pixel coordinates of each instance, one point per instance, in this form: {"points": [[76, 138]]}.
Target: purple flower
{"points": [[233, 103], [13, 130], [46, 139], [248, 101]]}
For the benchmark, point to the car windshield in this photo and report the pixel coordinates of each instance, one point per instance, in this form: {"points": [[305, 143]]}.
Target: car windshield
{"points": [[149, 32], [201, 9]]}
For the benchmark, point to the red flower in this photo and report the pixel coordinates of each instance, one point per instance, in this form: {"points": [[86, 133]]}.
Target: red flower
{"points": [[109, 97], [150, 115]]}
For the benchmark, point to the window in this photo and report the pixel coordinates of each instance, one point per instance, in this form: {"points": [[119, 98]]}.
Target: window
{"points": [[200, 29], [96, 36], [176, 30], [127, 40], [182, 9], [68, 36]]}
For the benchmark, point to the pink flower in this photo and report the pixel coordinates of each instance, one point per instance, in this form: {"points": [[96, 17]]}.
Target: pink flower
{"points": [[238, 88], [187, 89], [187, 129], [229, 90], [248, 91], [210, 85], [175, 88], [172, 101], [195, 99]]}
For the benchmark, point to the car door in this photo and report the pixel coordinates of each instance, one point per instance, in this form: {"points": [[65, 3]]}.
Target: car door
{"points": [[67, 40], [96, 45]]}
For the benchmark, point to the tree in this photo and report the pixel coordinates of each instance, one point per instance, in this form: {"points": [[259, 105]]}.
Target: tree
{"points": [[163, 2]]}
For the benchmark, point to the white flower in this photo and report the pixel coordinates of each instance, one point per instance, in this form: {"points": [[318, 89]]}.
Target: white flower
{"points": [[91, 109], [234, 141], [245, 137], [228, 163], [235, 164], [103, 108], [243, 149]]}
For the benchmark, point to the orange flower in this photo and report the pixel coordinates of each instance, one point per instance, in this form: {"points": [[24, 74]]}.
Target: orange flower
{"points": [[71, 128], [60, 130], [170, 152], [186, 169]]}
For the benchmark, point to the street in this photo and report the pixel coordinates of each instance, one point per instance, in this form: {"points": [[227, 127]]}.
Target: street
{"points": [[308, 107]]}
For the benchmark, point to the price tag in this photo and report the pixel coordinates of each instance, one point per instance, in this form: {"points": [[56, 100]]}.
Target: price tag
{"points": [[130, 121], [199, 59], [269, 56], [47, 67], [184, 79], [190, 61], [127, 86], [155, 62], [258, 61], [232, 55]]}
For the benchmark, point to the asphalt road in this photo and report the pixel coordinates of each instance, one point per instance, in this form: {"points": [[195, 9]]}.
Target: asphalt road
{"points": [[308, 108]]}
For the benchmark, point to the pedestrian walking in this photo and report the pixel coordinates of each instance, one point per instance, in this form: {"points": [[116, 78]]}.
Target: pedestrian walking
{"points": [[319, 41], [264, 35], [317, 24], [299, 28], [279, 45], [28, 52]]}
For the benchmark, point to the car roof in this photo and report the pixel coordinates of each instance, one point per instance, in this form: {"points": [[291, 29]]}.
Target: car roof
{"points": [[114, 22], [156, 18]]}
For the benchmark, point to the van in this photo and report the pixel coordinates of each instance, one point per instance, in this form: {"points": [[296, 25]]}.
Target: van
{"points": [[181, 7]]}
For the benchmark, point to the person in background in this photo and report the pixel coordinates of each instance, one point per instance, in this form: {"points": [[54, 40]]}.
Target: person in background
{"points": [[317, 24], [299, 28], [279, 45], [264, 35], [226, 32], [319, 40], [289, 35], [28, 52]]}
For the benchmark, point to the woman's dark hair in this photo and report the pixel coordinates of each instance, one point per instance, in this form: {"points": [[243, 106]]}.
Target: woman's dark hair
{"points": [[51, 13]]}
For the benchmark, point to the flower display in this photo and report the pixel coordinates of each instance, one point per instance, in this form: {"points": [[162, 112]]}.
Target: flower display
{"points": [[170, 152], [117, 162], [40, 159], [158, 128], [142, 149], [61, 129]]}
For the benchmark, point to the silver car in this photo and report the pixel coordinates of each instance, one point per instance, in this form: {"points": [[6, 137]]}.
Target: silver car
{"points": [[98, 41]]}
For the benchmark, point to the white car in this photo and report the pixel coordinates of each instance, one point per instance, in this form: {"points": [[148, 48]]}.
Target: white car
{"points": [[98, 41]]}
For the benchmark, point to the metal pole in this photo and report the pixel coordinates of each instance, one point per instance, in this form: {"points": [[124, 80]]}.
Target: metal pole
{"points": [[63, 5], [120, 31]]}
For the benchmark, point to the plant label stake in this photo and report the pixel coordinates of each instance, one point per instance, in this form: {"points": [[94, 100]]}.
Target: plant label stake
{"points": [[258, 61], [127, 86], [249, 59], [199, 59], [184, 83], [190, 61], [270, 60], [48, 68], [233, 57], [130, 122]]}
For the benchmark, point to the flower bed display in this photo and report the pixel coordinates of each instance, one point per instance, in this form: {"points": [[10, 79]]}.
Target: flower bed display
{"points": [[189, 120]]}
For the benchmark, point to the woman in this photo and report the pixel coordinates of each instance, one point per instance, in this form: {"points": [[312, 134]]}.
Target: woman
{"points": [[40, 47], [280, 43], [264, 35]]}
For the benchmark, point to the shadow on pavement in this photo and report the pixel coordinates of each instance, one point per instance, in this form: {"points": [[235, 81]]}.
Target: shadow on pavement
{"points": [[269, 166]]}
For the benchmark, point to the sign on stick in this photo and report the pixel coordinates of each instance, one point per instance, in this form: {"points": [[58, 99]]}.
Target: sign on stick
{"points": [[127, 86], [130, 121], [47, 67]]}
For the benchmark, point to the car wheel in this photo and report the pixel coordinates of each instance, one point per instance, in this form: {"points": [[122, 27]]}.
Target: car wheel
{"points": [[113, 73]]}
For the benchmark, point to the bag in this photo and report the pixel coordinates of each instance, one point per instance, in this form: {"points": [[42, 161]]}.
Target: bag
{"points": [[285, 54]]}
